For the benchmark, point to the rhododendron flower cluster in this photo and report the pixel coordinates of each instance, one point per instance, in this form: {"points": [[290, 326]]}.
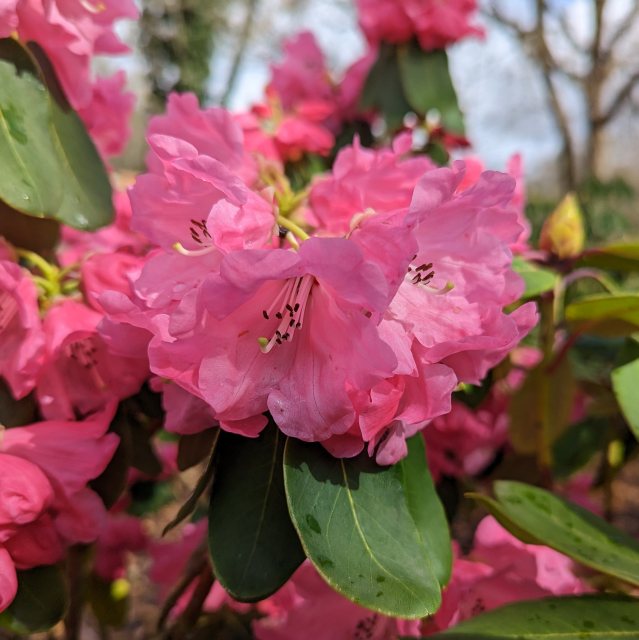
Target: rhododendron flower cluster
{"points": [[434, 23], [354, 336]]}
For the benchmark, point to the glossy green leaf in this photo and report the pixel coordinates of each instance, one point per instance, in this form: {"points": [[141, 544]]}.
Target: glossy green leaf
{"points": [[383, 89], [41, 599], [31, 179], [51, 168], [625, 384], [357, 528], [596, 617], [427, 84], [87, 198], [253, 545], [605, 314], [426, 508], [569, 529], [537, 280]]}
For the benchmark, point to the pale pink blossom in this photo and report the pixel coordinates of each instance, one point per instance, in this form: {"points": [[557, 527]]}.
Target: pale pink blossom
{"points": [[435, 23], [8, 24]]}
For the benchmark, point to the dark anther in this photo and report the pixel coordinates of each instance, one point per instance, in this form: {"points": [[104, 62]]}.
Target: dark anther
{"points": [[265, 314], [296, 308], [298, 325], [279, 315], [278, 341], [291, 323]]}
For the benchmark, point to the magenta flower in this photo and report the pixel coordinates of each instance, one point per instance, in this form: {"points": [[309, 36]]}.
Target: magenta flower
{"points": [[434, 23], [21, 335]]}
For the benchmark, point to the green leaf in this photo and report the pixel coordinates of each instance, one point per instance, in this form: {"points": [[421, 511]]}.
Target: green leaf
{"points": [[383, 89], [623, 256], [577, 445], [51, 168], [31, 179], [569, 529], [194, 448], [16, 413], [87, 198], [426, 509], [356, 526], [605, 314], [625, 384], [427, 84], [253, 545], [537, 280], [202, 485], [590, 617], [41, 599]]}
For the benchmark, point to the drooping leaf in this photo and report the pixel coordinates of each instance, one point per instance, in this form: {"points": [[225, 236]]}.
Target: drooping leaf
{"points": [[605, 314], [41, 599], [194, 448], [356, 526], [537, 280], [590, 617], [568, 528], [253, 545], [427, 84], [426, 508], [202, 485]]}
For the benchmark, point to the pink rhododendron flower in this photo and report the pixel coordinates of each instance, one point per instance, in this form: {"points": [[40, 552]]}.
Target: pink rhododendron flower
{"points": [[351, 86], [435, 23], [307, 607], [8, 18], [108, 113], [365, 179], [8, 579], [80, 373], [500, 570], [21, 335], [71, 33]]}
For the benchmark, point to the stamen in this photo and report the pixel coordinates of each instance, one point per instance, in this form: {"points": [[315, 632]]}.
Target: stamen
{"points": [[291, 301], [84, 352], [181, 249]]}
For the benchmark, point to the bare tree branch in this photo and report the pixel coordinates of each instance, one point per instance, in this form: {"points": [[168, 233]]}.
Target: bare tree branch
{"points": [[624, 93], [240, 50], [623, 28]]}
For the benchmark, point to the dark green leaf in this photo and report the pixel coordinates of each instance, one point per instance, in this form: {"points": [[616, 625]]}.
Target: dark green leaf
{"points": [[16, 413], [537, 280], [615, 257], [192, 449], [143, 455], [383, 89], [427, 510], [356, 527], [577, 445], [27, 232], [427, 84], [569, 529], [202, 485], [596, 617], [41, 599], [253, 545]]}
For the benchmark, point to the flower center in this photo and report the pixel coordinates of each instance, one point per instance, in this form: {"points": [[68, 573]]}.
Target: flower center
{"points": [[288, 307], [422, 274], [84, 352], [8, 309]]}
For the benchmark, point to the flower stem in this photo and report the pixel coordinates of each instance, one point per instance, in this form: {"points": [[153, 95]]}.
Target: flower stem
{"points": [[297, 231]]}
